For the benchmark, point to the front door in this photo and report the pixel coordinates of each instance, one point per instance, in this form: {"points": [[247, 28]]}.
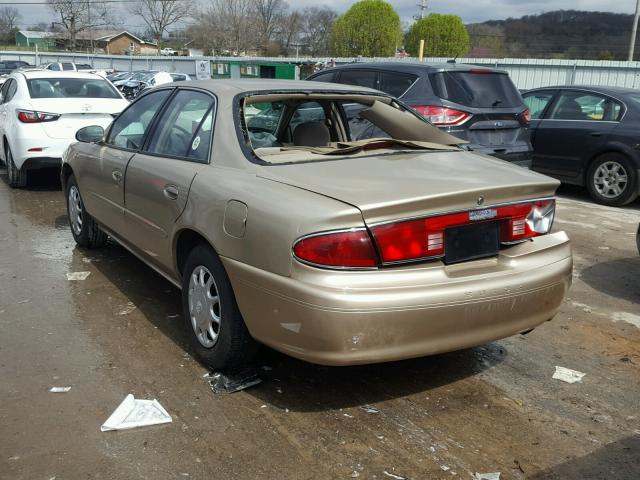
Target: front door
{"points": [[572, 131], [102, 179], [159, 177]]}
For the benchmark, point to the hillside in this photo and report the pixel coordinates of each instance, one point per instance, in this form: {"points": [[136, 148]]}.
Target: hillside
{"points": [[558, 34]]}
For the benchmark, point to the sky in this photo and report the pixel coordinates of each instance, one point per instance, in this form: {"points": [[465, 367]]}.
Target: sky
{"points": [[470, 10]]}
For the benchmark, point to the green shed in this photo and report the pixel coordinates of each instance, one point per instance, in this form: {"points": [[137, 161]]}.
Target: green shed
{"points": [[30, 38]]}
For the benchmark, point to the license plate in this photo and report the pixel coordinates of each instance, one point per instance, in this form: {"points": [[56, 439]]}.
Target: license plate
{"points": [[470, 242]]}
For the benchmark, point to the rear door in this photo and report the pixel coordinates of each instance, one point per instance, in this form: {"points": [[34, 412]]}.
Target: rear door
{"points": [[159, 177], [102, 176], [481, 106], [572, 131]]}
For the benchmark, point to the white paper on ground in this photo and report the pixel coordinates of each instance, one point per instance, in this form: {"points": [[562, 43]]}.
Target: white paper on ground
{"points": [[59, 389], [77, 275], [487, 476], [132, 413], [568, 375]]}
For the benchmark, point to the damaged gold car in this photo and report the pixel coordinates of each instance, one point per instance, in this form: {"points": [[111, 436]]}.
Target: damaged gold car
{"points": [[326, 221]]}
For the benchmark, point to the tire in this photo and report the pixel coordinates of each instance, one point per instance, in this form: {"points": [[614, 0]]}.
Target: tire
{"points": [[612, 180], [84, 228], [17, 176], [222, 343]]}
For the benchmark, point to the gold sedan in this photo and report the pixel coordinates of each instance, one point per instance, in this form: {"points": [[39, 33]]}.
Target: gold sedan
{"points": [[326, 221]]}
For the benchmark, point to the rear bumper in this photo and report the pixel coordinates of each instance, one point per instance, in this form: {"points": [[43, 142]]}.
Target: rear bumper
{"points": [[35, 163], [49, 155], [345, 318]]}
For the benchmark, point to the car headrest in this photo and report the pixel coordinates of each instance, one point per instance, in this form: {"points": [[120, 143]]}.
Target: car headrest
{"points": [[311, 134]]}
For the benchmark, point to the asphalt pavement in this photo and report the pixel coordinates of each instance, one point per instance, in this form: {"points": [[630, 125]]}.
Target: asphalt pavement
{"points": [[495, 408]]}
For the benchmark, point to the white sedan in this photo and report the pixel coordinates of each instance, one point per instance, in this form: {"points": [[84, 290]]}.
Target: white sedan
{"points": [[41, 111]]}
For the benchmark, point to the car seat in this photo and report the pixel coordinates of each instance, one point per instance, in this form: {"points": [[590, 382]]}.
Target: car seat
{"points": [[311, 134]]}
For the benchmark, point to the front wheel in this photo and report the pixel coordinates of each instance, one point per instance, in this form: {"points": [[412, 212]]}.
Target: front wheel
{"points": [[612, 180], [213, 321], [84, 228], [17, 176]]}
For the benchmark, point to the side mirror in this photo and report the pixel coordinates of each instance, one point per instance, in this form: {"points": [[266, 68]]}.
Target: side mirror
{"points": [[91, 134]]}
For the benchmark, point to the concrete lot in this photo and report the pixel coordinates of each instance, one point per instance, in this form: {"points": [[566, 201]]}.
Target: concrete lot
{"points": [[490, 409]]}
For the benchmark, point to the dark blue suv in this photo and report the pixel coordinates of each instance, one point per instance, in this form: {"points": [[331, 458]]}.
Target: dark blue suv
{"points": [[477, 104]]}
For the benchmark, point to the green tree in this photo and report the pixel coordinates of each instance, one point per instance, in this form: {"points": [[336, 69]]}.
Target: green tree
{"points": [[370, 28], [443, 35]]}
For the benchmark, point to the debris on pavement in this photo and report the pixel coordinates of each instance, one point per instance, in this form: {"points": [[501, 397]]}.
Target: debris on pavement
{"points": [[77, 276], [232, 381], [393, 475], [59, 389], [133, 413], [128, 308], [568, 375], [369, 409], [487, 476]]}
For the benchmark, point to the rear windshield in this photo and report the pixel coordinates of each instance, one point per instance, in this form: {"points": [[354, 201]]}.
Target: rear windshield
{"points": [[475, 89], [71, 88]]}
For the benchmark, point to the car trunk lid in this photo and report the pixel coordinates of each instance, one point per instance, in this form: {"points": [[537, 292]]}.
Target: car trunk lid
{"points": [[403, 185], [77, 113]]}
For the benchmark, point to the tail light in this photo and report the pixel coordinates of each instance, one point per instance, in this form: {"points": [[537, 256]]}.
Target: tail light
{"points": [[443, 116], [420, 239], [31, 116], [525, 116], [352, 248]]}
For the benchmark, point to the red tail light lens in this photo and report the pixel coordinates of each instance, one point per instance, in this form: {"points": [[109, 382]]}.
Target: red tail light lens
{"points": [[413, 240], [30, 116], [443, 116], [338, 249], [525, 116]]}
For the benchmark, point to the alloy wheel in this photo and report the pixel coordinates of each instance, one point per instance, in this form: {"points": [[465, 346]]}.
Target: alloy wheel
{"points": [[75, 210], [204, 306], [610, 179]]}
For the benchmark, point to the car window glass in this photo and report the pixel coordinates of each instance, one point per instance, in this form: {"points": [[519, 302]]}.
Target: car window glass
{"points": [[585, 106], [262, 120], [476, 88], [360, 128], [54, 66], [199, 146], [323, 77], [362, 78], [179, 131], [11, 91], [71, 88], [3, 90], [67, 66], [536, 102], [394, 83], [129, 128]]}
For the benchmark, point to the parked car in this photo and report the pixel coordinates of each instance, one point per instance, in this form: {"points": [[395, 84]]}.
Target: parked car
{"points": [[73, 67], [331, 250], [480, 105], [168, 51], [40, 111], [145, 80], [588, 136], [8, 66]]}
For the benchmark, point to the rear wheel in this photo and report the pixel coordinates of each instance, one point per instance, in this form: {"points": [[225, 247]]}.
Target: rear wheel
{"points": [[17, 176], [85, 230], [612, 180], [213, 321]]}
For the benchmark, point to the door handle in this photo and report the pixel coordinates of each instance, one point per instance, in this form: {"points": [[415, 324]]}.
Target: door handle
{"points": [[116, 175], [171, 192]]}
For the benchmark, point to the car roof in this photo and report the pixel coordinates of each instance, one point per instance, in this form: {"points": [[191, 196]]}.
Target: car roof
{"points": [[594, 88], [412, 66], [38, 73], [236, 86]]}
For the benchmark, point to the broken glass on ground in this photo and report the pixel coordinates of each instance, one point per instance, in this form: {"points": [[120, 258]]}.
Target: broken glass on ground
{"points": [[487, 476], [77, 276], [133, 413], [231, 381]]}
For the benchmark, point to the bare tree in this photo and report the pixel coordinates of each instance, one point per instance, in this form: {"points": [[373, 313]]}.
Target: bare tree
{"points": [[160, 15], [268, 14], [318, 23], [76, 17], [226, 26], [9, 18], [288, 32]]}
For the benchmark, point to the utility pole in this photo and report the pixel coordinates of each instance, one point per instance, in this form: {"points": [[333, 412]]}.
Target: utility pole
{"points": [[423, 9], [634, 31]]}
